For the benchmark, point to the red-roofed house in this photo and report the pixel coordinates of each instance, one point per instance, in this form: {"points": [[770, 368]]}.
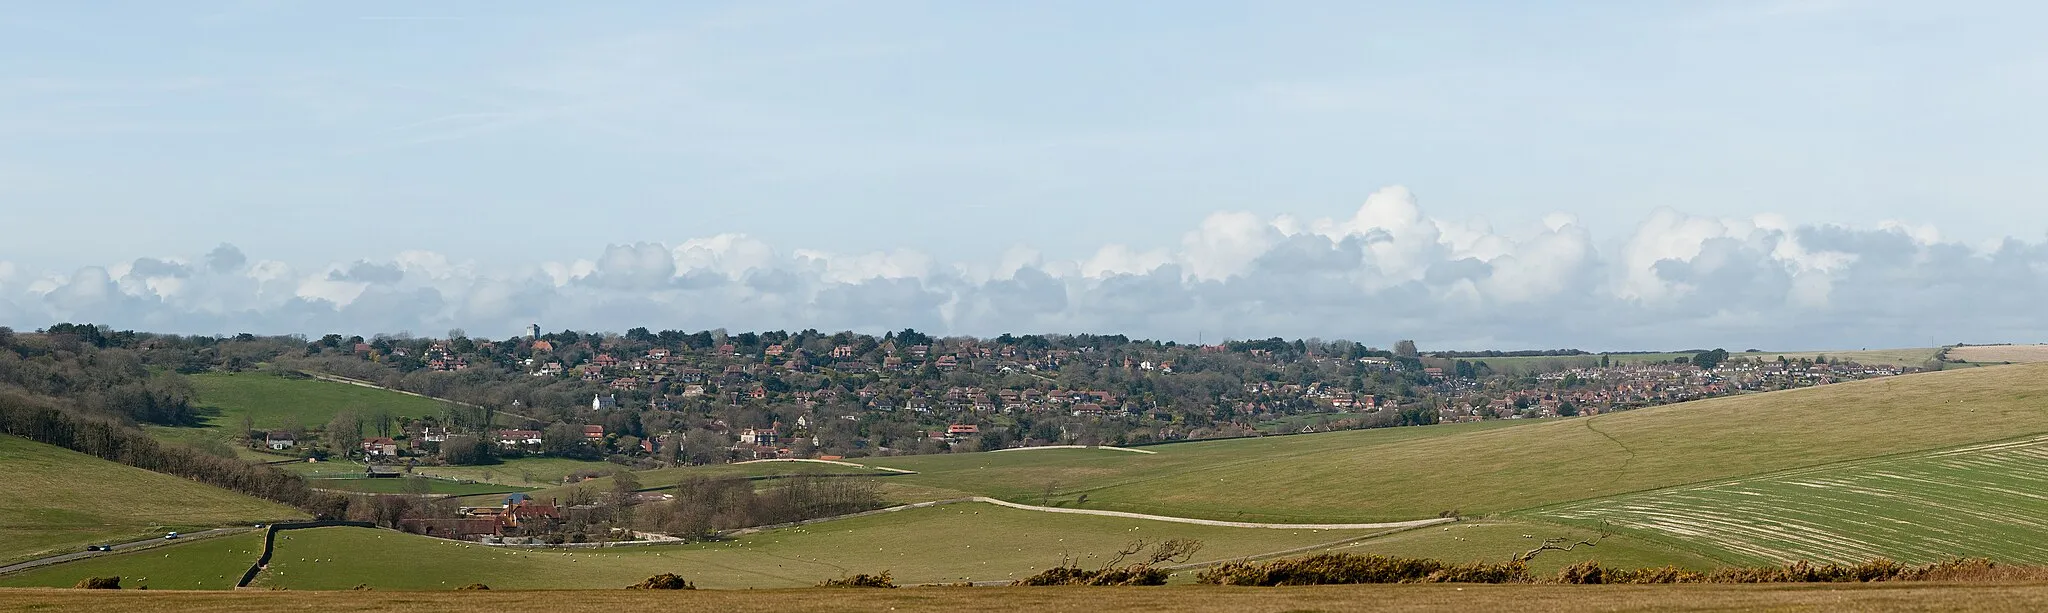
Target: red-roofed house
{"points": [[593, 432], [381, 446]]}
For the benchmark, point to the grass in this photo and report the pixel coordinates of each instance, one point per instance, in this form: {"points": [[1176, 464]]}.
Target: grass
{"points": [[405, 485], [273, 401], [1993, 354], [1871, 357], [59, 501], [669, 477], [1837, 598], [1920, 356], [1478, 469], [1024, 476], [948, 543], [208, 564], [1976, 501], [527, 472], [1498, 541]]}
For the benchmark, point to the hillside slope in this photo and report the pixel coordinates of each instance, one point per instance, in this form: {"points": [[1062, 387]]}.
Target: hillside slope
{"points": [[1409, 473], [1980, 500], [59, 501]]}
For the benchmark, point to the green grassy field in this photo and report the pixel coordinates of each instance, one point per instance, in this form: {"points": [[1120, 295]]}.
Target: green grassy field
{"points": [[273, 401], [668, 477], [525, 472], [1409, 473], [1978, 501], [406, 485], [948, 543], [59, 501], [1498, 541], [1894, 357], [1832, 598], [207, 564], [1920, 356]]}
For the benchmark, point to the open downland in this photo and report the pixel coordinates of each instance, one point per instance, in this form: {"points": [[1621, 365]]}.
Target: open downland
{"points": [[1409, 473], [208, 564], [1836, 598], [272, 401], [1977, 501], [947, 543], [1996, 354], [1498, 541], [59, 501], [1918, 356]]}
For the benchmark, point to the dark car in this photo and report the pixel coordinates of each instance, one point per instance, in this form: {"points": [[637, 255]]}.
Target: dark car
{"points": [[99, 547]]}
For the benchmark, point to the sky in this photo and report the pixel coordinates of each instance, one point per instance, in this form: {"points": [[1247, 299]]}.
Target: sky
{"points": [[1783, 174]]}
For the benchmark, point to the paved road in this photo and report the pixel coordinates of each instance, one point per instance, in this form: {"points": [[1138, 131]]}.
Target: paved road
{"points": [[121, 547]]}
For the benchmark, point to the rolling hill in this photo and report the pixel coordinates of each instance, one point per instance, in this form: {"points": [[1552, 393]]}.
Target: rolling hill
{"points": [[273, 401], [59, 501], [1408, 473]]}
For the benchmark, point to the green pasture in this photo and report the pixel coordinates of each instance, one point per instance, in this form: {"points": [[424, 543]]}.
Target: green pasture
{"points": [[1477, 469], [414, 485], [59, 501], [522, 472], [1499, 541], [272, 401], [1981, 500], [206, 564], [947, 543]]}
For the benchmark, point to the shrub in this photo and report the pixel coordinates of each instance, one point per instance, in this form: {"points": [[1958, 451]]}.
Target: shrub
{"points": [[1323, 569], [98, 583], [664, 581], [474, 586], [862, 580], [1482, 572], [1069, 575]]}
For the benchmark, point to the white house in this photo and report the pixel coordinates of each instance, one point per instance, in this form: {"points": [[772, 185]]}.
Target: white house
{"points": [[600, 403]]}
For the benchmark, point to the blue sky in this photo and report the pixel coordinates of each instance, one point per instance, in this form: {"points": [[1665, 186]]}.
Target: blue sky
{"points": [[948, 144]]}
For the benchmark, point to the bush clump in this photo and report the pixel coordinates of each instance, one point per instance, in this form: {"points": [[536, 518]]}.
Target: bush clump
{"points": [[1323, 569], [664, 581], [98, 583], [1592, 573], [474, 586], [1071, 575], [862, 580]]}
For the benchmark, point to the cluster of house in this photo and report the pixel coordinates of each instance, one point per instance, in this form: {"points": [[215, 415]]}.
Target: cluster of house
{"points": [[518, 515], [1620, 387]]}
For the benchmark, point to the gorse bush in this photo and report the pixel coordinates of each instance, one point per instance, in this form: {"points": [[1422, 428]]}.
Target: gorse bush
{"points": [[98, 583], [1323, 569], [1591, 573], [664, 581], [862, 580], [1345, 568], [1070, 575]]}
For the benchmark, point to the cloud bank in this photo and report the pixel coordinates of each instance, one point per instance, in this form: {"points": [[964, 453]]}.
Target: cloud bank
{"points": [[1386, 272]]}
